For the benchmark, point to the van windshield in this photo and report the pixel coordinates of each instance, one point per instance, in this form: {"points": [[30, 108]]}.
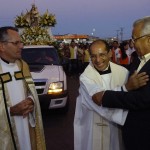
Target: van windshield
{"points": [[40, 56]]}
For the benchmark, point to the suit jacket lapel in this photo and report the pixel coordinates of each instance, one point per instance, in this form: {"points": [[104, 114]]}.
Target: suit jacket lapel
{"points": [[134, 65], [145, 67]]}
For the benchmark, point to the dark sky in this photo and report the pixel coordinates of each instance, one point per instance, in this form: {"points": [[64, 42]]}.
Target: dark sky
{"points": [[101, 18]]}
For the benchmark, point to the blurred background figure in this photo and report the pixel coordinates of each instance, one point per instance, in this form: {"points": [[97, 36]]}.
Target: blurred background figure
{"points": [[66, 57], [86, 59], [116, 52], [73, 69], [80, 57], [125, 55]]}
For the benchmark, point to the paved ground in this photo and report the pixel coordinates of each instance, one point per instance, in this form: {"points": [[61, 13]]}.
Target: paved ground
{"points": [[59, 127]]}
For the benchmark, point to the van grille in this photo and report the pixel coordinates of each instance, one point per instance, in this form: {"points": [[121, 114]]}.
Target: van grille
{"points": [[40, 85]]}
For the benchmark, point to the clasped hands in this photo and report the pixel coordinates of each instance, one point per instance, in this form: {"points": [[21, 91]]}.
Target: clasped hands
{"points": [[23, 108], [135, 81]]}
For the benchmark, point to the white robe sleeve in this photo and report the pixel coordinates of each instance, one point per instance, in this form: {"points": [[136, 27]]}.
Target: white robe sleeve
{"points": [[87, 90]]}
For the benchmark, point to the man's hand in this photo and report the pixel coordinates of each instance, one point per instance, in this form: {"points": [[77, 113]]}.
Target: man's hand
{"points": [[23, 108], [136, 81], [97, 98]]}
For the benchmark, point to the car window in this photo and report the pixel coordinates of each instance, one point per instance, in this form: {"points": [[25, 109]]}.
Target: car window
{"points": [[40, 56]]}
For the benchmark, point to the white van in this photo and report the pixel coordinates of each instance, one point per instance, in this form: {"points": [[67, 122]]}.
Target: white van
{"points": [[48, 75]]}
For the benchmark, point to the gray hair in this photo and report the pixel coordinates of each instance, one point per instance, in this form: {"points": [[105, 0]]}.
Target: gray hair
{"points": [[146, 25]]}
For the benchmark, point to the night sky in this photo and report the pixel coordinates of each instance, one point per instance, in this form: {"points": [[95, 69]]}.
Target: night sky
{"points": [[100, 18]]}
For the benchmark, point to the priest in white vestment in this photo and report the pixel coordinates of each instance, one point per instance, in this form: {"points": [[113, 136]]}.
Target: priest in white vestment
{"points": [[95, 127], [21, 125]]}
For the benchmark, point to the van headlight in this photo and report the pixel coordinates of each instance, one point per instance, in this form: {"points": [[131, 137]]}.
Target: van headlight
{"points": [[55, 87]]}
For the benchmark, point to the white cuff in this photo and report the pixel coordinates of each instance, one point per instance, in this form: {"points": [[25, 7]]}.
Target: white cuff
{"points": [[124, 88]]}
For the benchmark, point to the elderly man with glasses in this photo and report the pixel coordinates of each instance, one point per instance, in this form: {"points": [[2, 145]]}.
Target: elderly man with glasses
{"points": [[95, 128], [136, 130]]}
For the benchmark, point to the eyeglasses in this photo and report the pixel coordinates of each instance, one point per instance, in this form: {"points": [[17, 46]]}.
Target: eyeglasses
{"points": [[100, 55], [16, 43], [134, 40]]}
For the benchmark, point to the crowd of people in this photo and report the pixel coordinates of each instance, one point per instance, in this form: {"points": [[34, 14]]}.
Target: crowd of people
{"points": [[123, 53], [74, 57]]}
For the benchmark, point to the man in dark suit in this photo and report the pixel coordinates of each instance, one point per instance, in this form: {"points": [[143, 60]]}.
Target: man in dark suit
{"points": [[136, 130]]}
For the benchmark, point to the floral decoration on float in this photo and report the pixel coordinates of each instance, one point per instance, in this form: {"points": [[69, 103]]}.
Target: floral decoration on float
{"points": [[35, 29]]}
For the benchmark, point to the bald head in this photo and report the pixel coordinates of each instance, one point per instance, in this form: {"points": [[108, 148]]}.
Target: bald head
{"points": [[99, 43]]}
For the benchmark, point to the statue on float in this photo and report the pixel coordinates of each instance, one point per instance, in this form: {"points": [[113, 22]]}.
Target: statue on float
{"points": [[35, 28], [32, 17]]}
